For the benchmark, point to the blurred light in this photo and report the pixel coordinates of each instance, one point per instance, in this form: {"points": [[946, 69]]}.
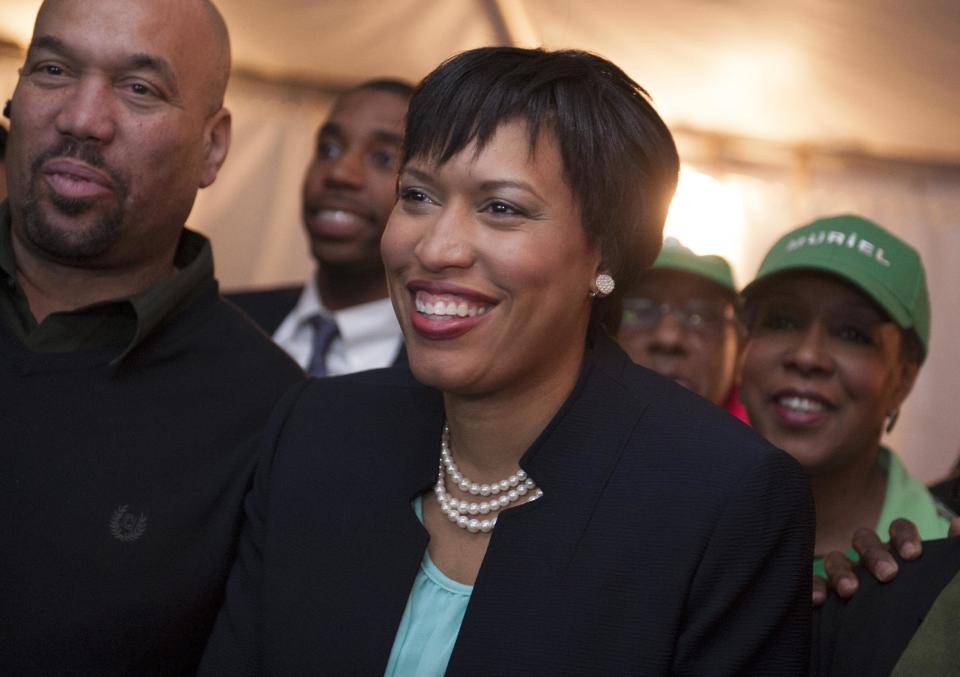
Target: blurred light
{"points": [[707, 215], [16, 20], [752, 88]]}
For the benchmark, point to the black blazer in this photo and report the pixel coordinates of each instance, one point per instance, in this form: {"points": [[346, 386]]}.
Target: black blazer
{"points": [[268, 308], [670, 539], [865, 636]]}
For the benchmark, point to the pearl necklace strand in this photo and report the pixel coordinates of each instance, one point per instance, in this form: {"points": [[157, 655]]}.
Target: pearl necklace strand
{"points": [[502, 494]]}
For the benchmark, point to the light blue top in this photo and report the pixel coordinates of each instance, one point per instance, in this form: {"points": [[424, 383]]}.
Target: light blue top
{"points": [[431, 621]]}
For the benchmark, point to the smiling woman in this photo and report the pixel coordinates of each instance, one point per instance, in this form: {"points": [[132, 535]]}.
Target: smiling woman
{"points": [[839, 323], [512, 504], [494, 230]]}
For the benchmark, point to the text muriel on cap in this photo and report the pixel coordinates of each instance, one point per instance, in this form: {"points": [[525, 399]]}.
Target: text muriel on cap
{"points": [[839, 239]]}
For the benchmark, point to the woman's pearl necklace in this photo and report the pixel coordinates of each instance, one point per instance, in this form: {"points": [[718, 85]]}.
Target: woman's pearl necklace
{"points": [[502, 494]]}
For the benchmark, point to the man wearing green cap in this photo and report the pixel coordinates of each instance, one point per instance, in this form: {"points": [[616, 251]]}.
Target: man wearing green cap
{"points": [[679, 319], [838, 322]]}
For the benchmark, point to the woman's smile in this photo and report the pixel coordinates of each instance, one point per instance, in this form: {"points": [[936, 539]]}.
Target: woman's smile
{"points": [[801, 409], [442, 312], [488, 264]]}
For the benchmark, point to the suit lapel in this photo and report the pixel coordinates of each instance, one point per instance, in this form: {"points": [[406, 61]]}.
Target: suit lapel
{"points": [[533, 544], [387, 549]]}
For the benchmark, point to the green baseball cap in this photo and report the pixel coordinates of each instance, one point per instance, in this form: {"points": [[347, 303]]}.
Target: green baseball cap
{"points": [[674, 256], [881, 265]]}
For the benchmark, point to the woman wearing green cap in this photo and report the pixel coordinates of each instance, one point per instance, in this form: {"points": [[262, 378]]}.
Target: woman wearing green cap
{"points": [[839, 322]]}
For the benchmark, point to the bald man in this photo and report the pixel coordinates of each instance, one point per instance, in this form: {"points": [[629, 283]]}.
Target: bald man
{"points": [[131, 392]]}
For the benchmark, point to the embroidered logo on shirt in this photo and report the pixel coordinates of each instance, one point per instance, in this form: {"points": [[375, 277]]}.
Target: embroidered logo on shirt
{"points": [[126, 526]]}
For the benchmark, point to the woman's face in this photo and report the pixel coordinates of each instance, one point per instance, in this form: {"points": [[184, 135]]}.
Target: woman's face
{"points": [[822, 368], [489, 268]]}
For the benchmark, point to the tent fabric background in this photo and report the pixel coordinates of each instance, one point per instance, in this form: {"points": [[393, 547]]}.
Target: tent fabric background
{"points": [[805, 108]]}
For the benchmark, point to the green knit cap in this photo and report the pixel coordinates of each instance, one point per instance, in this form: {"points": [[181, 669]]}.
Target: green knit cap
{"points": [[674, 256], [881, 265]]}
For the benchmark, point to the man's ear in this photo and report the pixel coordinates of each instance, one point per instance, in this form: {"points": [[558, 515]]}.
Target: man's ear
{"points": [[216, 143]]}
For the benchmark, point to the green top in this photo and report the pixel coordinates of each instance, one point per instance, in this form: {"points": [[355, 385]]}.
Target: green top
{"points": [[904, 497], [122, 323]]}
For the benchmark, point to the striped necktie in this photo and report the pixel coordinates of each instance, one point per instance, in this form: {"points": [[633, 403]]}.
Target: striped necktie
{"points": [[324, 331]]}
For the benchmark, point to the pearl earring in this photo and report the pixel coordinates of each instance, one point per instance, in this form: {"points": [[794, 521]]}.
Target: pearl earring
{"points": [[605, 286]]}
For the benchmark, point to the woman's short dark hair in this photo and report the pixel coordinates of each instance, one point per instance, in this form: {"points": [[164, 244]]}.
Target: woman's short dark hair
{"points": [[619, 158]]}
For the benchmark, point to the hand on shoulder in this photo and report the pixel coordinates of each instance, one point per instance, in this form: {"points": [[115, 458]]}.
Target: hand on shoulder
{"points": [[875, 557]]}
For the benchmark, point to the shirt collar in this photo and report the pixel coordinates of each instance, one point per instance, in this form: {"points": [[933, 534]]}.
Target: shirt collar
{"points": [[194, 274], [355, 324]]}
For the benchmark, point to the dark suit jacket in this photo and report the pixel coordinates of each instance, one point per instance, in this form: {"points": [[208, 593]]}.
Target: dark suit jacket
{"points": [[670, 538], [269, 307], [266, 307], [865, 636]]}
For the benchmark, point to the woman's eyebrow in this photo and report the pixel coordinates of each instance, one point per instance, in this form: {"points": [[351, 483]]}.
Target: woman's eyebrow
{"points": [[416, 173], [511, 183]]}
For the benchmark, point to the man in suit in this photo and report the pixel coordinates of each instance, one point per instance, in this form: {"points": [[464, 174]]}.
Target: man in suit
{"points": [[341, 320], [131, 394]]}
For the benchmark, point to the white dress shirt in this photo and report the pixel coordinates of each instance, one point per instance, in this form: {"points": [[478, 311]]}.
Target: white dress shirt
{"points": [[368, 336]]}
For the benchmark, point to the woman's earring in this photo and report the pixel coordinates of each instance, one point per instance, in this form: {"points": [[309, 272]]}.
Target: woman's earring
{"points": [[892, 419], [605, 286]]}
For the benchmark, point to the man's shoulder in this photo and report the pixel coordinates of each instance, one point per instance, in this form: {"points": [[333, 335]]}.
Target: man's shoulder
{"points": [[214, 337], [234, 331], [266, 307], [867, 634]]}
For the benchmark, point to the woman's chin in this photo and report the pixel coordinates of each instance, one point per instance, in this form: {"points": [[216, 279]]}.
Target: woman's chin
{"points": [[452, 378]]}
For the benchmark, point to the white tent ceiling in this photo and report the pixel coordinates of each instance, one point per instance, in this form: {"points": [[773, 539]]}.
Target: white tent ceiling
{"points": [[874, 76]]}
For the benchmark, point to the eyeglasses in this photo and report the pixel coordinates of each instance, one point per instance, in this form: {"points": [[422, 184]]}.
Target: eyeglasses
{"points": [[702, 317]]}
